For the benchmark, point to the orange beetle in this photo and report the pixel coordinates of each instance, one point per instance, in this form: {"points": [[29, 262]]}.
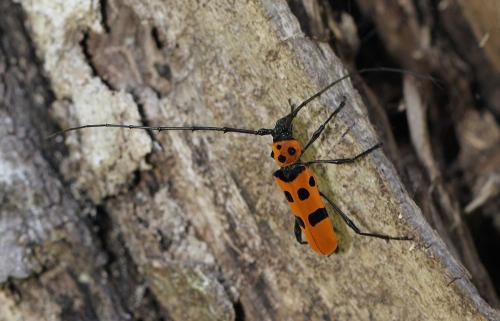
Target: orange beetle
{"points": [[295, 178], [297, 181]]}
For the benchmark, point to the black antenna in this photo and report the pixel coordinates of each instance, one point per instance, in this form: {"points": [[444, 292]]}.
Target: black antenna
{"points": [[259, 132], [362, 71]]}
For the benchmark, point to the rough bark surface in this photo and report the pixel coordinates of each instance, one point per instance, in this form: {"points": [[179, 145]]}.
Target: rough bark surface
{"points": [[109, 224]]}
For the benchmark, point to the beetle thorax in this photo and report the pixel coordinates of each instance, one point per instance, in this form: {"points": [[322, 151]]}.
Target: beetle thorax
{"points": [[286, 152]]}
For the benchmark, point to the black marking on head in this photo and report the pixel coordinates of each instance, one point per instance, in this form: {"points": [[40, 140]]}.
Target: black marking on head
{"points": [[291, 150], [312, 181], [278, 146], [303, 194], [283, 130], [289, 196], [290, 173], [282, 158], [301, 222], [272, 154], [317, 216]]}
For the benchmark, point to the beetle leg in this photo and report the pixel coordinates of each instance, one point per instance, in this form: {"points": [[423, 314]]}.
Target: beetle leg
{"points": [[318, 131], [344, 160], [353, 226], [298, 232]]}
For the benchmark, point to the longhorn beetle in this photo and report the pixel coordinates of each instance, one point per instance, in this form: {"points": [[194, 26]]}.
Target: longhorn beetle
{"points": [[294, 177]]}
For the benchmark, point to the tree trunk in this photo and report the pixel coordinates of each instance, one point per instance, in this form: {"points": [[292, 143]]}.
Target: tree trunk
{"points": [[114, 224]]}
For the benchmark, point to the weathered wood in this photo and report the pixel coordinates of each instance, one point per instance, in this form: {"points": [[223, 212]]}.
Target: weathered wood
{"points": [[191, 223], [53, 263]]}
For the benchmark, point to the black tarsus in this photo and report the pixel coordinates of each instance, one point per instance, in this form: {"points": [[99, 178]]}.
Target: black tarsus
{"points": [[298, 232], [344, 160], [353, 226], [320, 129], [259, 132]]}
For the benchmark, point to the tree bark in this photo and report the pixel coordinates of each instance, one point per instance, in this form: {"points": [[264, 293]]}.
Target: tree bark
{"points": [[111, 224]]}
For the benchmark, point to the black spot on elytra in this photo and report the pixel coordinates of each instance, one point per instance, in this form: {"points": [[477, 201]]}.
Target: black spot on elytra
{"points": [[282, 158], [291, 150], [317, 216], [289, 196], [272, 154], [278, 146], [312, 181], [303, 194]]}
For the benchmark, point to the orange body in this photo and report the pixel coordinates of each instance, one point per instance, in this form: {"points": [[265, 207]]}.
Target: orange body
{"points": [[300, 188]]}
